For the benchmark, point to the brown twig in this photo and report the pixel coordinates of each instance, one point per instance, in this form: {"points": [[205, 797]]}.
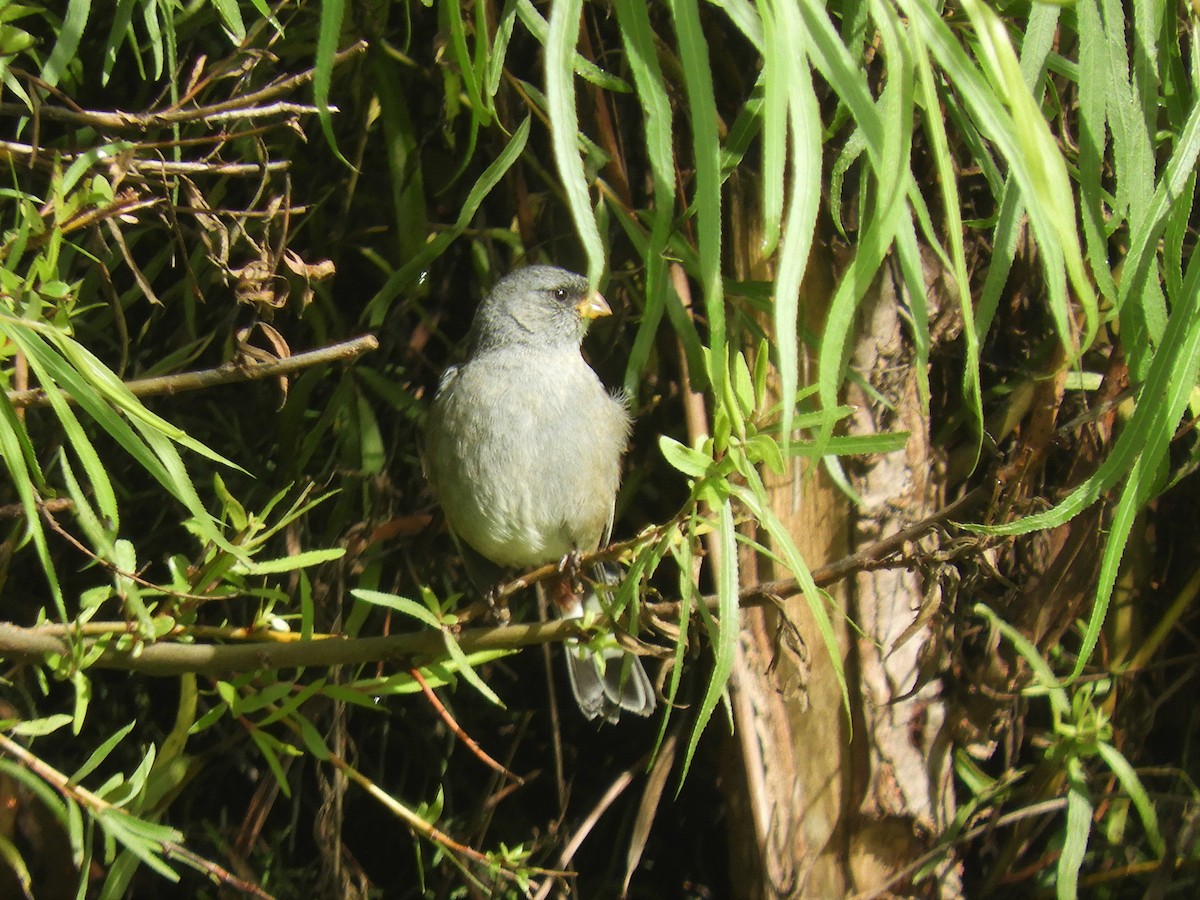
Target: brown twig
{"points": [[869, 557], [160, 167], [165, 658], [113, 567], [228, 373], [98, 805], [244, 106], [446, 717], [15, 510]]}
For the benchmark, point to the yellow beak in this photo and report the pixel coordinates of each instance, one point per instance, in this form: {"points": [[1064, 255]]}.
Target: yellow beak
{"points": [[593, 306]]}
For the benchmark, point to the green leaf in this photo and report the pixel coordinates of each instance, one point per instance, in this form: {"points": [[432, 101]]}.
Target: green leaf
{"points": [[142, 839], [26, 477], [38, 727], [706, 152], [585, 68], [723, 633], [297, 561], [1133, 786], [16, 865], [312, 738], [690, 462], [1044, 677], [564, 129], [100, 754], [1076, 832], [400, 279], [270, 748], [328, 34], [463, 665], [804, 191], [399, 604], [67, 43]]}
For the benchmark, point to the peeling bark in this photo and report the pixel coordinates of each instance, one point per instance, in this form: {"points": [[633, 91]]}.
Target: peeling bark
{"points": [[906, 797]]}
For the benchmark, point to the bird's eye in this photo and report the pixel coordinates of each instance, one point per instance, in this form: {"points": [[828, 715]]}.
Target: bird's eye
{"points": [[561, 294]]}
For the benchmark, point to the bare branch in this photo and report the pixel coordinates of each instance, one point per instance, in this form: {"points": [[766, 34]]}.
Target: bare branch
{"points": [[166, 658], [246, 106], [228, 373]]}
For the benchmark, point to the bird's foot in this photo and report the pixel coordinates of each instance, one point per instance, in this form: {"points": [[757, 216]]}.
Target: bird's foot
{"points": [[571, 567], [497, 604]]}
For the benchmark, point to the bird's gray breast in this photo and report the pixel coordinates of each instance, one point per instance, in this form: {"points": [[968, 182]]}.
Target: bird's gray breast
{"points": [[523, 451]]}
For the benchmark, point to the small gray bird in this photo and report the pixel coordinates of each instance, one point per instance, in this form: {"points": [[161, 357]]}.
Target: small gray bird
{"points": [[523, 448]]}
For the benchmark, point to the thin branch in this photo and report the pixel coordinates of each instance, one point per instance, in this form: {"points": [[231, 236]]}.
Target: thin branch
{"points": [[165, 658], [158, 166], [245, 106], [16, 510], [228, 373], [18, 643], [98, 805], [452, 724], [869, 557]]}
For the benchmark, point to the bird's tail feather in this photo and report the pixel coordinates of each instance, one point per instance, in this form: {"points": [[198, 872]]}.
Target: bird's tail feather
{"points": [[611, 679]]}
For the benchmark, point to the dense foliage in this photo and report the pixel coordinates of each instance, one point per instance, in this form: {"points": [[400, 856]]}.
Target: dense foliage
{"points": [[241, 241]]}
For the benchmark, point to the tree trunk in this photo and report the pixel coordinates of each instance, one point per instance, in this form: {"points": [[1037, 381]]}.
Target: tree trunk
{"points": [[822, 804]]}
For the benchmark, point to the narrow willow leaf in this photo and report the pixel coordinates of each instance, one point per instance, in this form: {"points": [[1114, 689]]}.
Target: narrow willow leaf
{"points": [[1060, 704], [744, 131], [462, 664], [252, 700], [681, 547], [935, 128], [466, 63], [399, 604], [1146, 231], [1133, 142], [100, 753], [804, 119], [778, 50], [1128, 777], [121, 826], [79, 443], [726, 628], [1004, 109], [60, 809], [843, 73], [313, 742], [1093, 137], [1076, 832], [39, 727], [702, 108], [743, 15], [1039, 36], [585, 68], [155, 36], [499, 51], [638, 39], [329, 31], [87, 160], [21, 462], [269, 747], [16, 865], [294, 562], [1162, 399], [93, 386], [564, 129], [67, 42], [231, 18], [891, 165], [399, 280]]}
